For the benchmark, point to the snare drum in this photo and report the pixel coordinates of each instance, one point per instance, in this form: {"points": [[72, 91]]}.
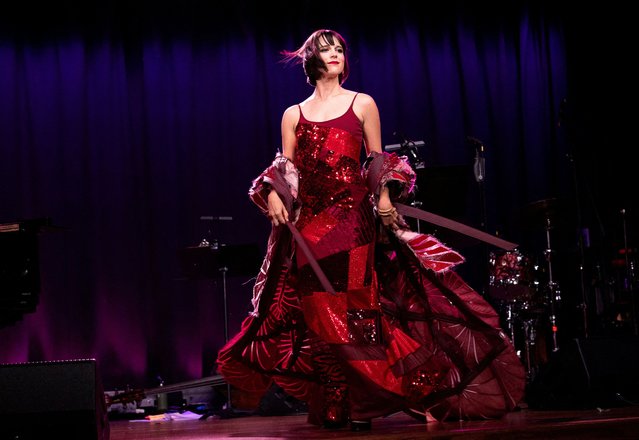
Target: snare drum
{"points": [[511, 276]]}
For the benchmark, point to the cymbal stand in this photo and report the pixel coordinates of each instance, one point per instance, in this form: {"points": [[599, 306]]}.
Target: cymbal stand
{"points": [[553, 289]]}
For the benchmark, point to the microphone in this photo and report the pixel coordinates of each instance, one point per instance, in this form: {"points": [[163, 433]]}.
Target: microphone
{"points": [[218, 218], [406, 142], [479, 167], [408, 148], [475, 143], [396, 147], [562, 112]]}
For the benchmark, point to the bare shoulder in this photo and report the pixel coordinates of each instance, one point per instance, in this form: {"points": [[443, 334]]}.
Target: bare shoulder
{"points": [[291, 114], [292, 110], [365, 106], [364, 99]]}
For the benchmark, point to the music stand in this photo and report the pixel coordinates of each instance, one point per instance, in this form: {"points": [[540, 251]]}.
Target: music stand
{"points": [[208, 262]]}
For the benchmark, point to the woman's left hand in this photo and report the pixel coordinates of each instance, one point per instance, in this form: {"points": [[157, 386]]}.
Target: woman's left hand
{"points": [[387, 212], [389, 216]]}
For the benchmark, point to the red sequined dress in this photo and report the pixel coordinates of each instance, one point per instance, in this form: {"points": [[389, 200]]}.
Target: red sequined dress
{"points": [[401, 332]]}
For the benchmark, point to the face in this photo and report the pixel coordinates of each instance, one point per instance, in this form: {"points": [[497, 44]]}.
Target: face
{"points": [[333, 57]]}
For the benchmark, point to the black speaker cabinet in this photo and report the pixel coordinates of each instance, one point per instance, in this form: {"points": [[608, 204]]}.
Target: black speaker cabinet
{"points": [[58, 399], [588, 373]]}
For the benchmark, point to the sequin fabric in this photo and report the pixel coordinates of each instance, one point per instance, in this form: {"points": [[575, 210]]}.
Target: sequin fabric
{"points": [[331, 184], [336, 215], [420, 383]]}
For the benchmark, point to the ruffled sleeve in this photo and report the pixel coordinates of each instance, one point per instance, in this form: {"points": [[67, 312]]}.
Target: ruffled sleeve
{"points": [[391, 170], [396, 173], [283, 177]]}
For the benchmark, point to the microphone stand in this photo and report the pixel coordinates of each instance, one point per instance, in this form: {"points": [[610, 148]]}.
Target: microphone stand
{"points": [[583, 234], [629, 275], [410, 149], [479, 170], [580, 243]]}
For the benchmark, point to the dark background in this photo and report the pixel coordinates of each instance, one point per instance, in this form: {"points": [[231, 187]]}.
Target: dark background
{"points": [[125, 122]]}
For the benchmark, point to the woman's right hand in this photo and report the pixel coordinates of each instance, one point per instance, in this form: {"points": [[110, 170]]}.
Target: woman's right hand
{"points": [[277, 213]]}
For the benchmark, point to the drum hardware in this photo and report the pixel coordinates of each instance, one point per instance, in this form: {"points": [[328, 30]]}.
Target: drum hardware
{"points": [[513, 283], [511, 315], [511, 275], [530, 341], [554, 295], [547, 210], [521, 321]]}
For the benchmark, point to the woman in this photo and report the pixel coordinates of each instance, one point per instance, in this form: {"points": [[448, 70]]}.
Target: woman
{"points": [[354, 313]]}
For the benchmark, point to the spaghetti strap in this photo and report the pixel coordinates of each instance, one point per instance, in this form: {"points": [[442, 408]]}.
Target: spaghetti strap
{"points": [[353, 101], [347, 121]]}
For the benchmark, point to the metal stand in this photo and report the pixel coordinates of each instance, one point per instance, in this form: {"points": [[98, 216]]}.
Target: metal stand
{"points": [[222, 258], [223, 271], [530, 335], [479, 170], [510, 322], [553, 289], [629, 275], [582, 249], [565, 123], [227, 411], [518, 315]]}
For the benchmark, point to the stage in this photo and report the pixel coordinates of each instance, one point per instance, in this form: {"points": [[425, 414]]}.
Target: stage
{"points": [[587, 390], [612, 423]]}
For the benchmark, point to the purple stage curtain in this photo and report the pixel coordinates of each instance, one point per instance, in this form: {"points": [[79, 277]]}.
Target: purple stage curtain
{"points": [[125, 138]]}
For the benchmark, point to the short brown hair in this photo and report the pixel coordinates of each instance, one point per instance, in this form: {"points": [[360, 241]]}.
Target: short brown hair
{"points": [[309, 55]]}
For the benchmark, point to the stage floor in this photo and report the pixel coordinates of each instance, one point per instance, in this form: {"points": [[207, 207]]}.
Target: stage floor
{"points": [[612, 423]]}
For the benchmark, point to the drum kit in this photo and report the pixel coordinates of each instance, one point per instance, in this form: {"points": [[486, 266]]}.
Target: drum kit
{"points": [[528, 303]]}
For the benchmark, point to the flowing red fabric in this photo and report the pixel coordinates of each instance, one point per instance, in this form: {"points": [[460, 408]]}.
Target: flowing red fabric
{"points": [[402, 333]]}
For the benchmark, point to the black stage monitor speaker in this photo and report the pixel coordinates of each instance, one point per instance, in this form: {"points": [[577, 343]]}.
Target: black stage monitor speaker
{"points": [[587, 374], [57, 399]]}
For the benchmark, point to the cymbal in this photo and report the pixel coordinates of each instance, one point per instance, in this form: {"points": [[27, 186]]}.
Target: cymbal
{"points": [[544, 213], [543, 206]]}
